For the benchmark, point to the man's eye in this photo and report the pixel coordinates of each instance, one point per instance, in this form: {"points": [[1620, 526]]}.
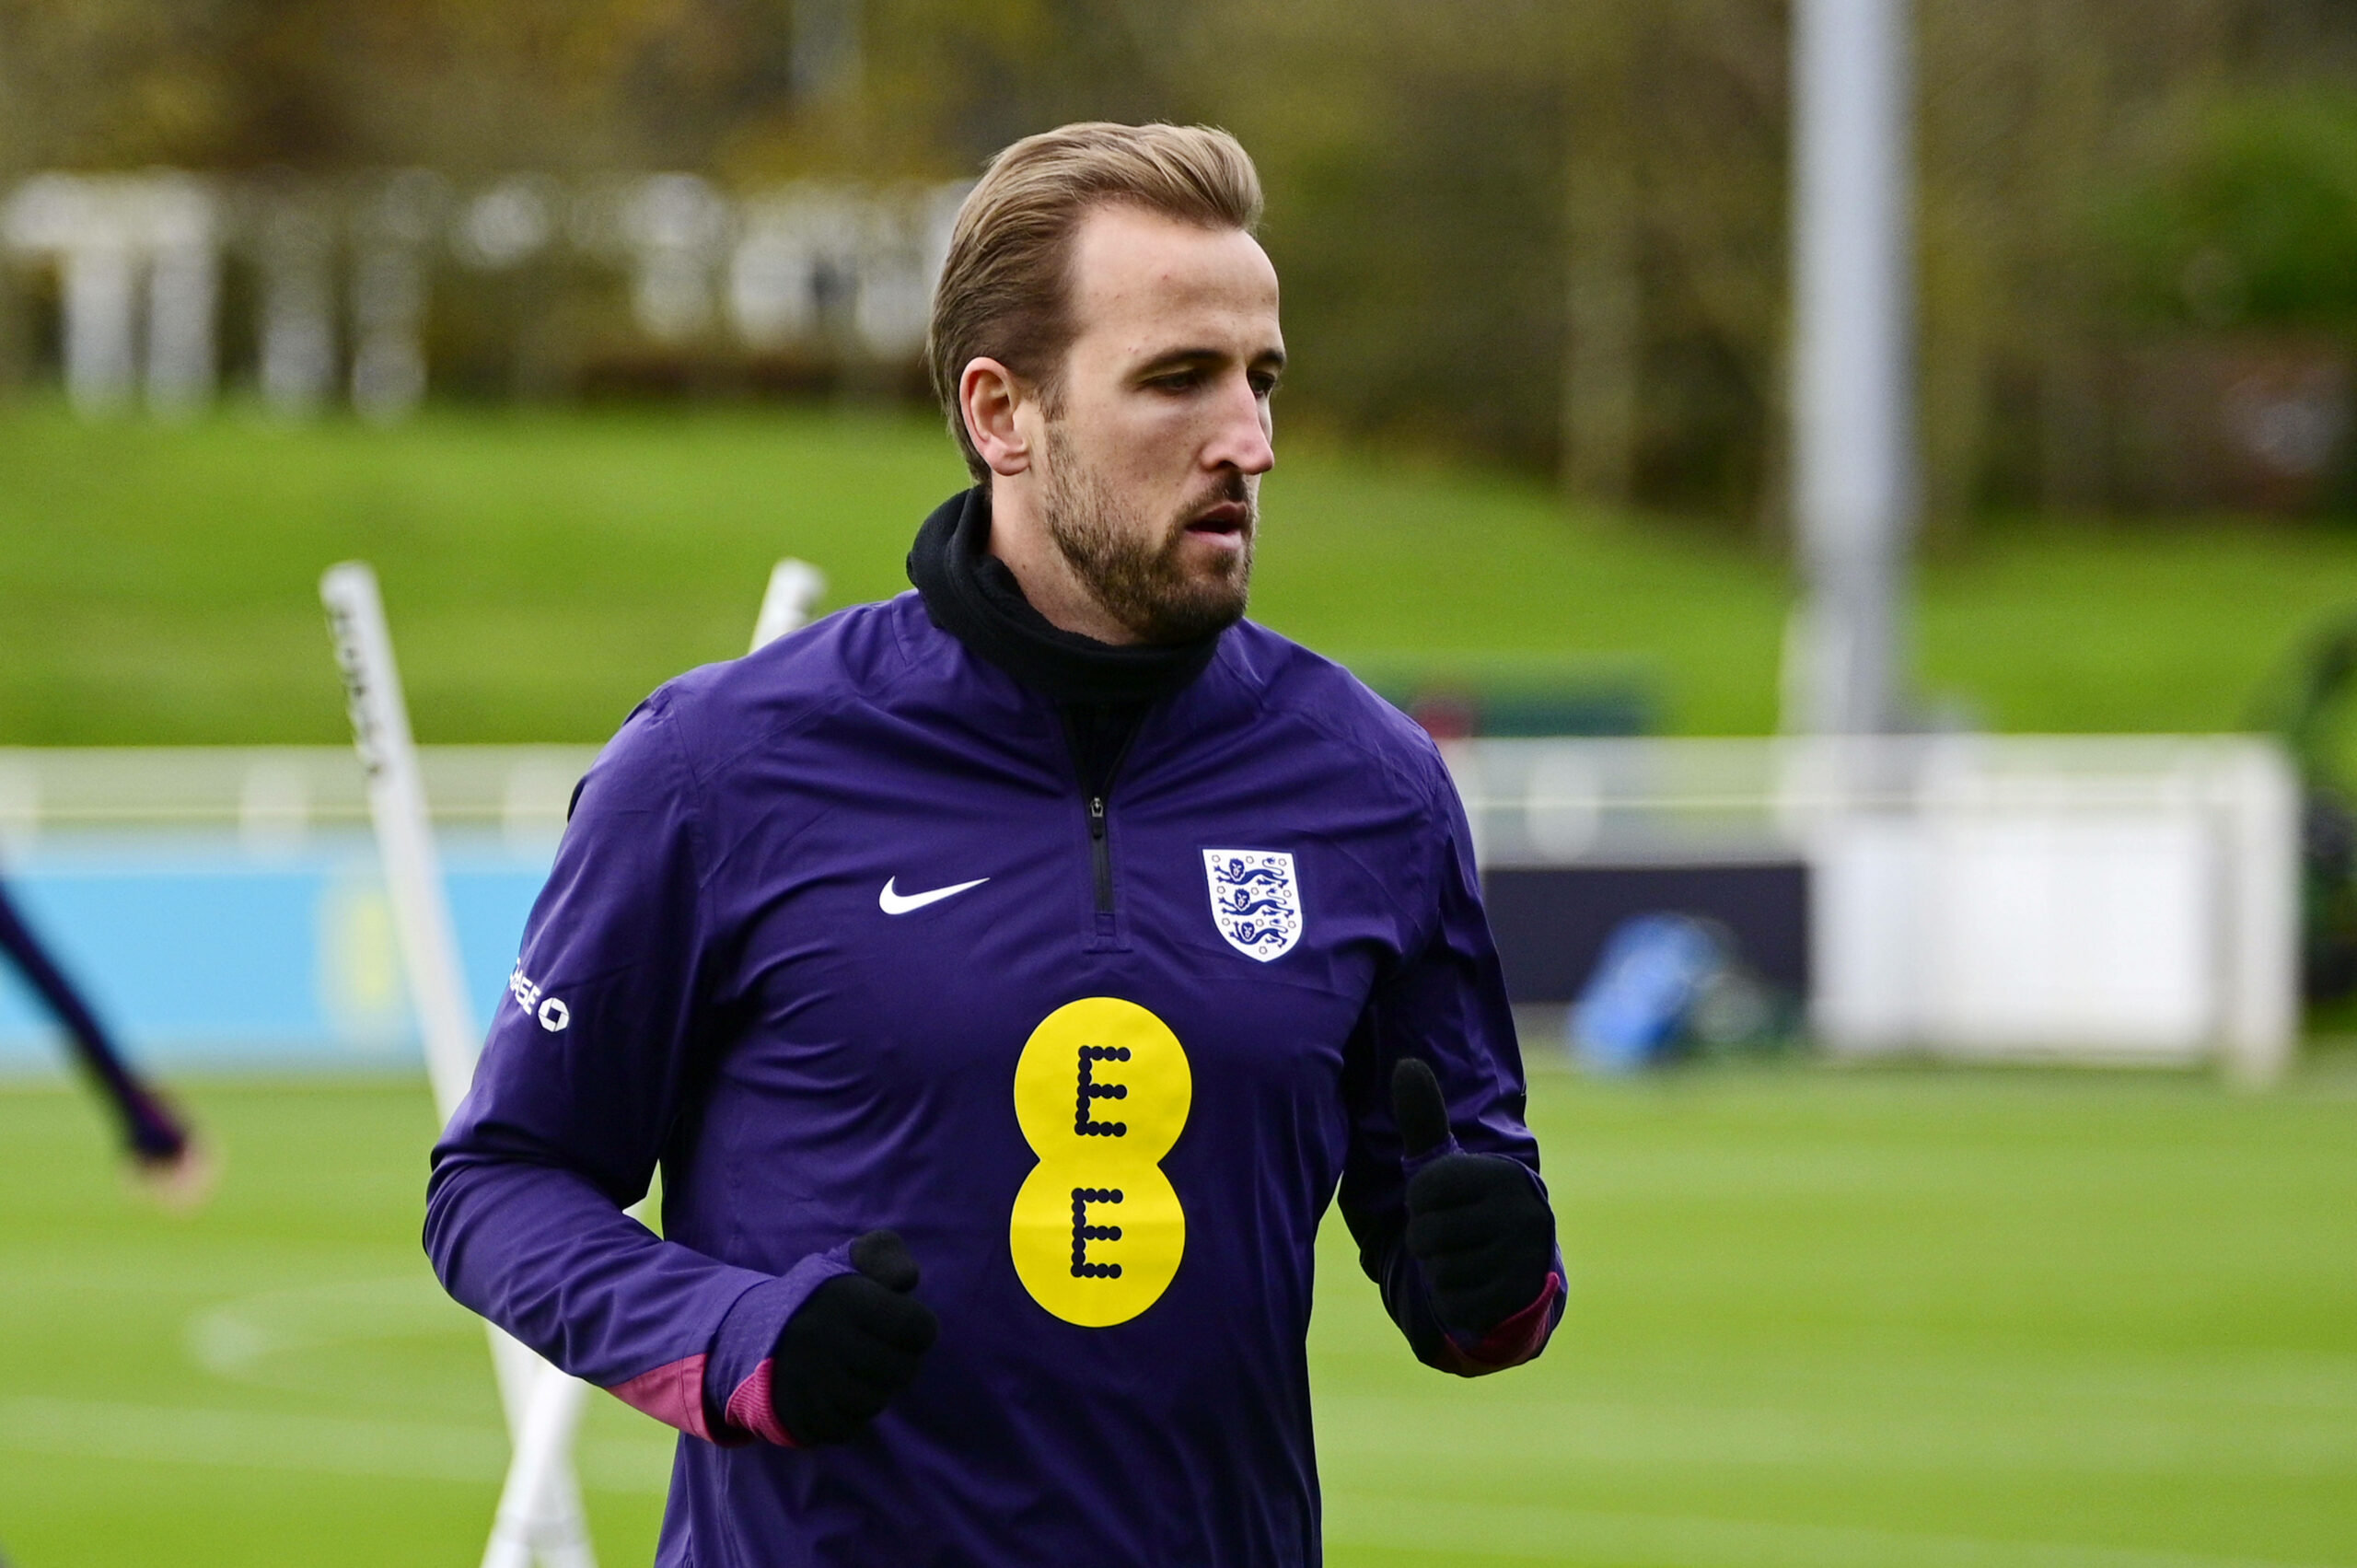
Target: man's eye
{"points": [[1263, 385], [1180, 382]]}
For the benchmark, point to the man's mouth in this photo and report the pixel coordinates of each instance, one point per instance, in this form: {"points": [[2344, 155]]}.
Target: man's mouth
{"points": [[1225, 518]]}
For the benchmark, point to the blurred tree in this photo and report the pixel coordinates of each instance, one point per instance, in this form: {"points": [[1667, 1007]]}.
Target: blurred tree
{"points": [[2253, 217], [1548, 230]]}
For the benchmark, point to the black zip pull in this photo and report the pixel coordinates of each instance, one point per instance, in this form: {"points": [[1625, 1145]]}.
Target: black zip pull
{"points": [[1100, 857]]}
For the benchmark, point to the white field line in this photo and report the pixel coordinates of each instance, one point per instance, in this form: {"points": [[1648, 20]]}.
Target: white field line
{"points": [[385, 1450], [1538, 1533]]}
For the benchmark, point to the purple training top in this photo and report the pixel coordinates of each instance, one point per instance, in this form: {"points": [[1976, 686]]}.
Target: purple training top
{"points": [[836, 939]]}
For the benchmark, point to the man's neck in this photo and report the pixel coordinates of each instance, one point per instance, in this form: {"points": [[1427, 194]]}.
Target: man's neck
{"points": [[1019, 538], [977, 598]]}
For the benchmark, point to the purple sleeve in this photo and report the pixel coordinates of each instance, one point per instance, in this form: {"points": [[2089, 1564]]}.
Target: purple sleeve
{"points": [[1446, 1003], [583, 1078]]}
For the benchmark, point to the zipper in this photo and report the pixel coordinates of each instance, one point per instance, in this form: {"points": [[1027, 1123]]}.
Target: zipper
{"points": [[1100, 854], [1100, 848]]}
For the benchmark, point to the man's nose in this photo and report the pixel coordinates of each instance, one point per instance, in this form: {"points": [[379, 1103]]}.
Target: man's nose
{"points": [[1241, 441]]}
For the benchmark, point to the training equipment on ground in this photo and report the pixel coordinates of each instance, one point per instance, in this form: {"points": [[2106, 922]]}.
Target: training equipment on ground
{"points": [[1475, 1223]]}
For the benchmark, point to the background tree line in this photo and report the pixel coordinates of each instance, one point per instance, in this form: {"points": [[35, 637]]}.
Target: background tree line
{"points": [[1551, 234]]}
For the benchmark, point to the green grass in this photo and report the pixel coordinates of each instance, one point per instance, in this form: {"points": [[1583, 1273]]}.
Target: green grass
{"points": [[1882, 1319], [544, 571]]}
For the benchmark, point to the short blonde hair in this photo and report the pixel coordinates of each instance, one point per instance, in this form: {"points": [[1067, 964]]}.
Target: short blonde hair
{"points": [[1005, 291]]}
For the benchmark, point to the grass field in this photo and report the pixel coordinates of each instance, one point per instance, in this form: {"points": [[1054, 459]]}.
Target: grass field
{"points": [[544, 571], [1819, 1320]]}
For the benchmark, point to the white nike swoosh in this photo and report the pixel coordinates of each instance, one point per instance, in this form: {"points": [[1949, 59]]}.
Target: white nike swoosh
{"points": [[892, 902]]}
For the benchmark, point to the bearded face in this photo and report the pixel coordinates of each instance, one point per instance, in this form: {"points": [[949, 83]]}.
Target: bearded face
{"points": [[1168, 578], [1129, 479]]}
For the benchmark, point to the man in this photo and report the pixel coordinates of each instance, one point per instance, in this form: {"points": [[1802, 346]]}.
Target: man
{"points": [[1004, 975], [168, 1164]]}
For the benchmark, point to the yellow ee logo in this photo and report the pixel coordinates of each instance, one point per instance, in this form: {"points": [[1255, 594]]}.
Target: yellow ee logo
{"points": [[1101, 1093]]}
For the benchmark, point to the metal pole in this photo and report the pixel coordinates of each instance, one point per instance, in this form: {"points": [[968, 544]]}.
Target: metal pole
{"points": [[1854, 435]]}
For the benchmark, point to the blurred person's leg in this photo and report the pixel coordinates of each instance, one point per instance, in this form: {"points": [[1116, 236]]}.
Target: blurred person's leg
{"points": [[156, 1137]]}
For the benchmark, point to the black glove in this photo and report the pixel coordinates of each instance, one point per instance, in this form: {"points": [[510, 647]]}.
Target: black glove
{"points": [[853, 1345], [1475, 1223]]}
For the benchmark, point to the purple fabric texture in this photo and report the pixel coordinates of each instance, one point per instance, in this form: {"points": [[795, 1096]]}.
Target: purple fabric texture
{"points": [[808, 1059]]}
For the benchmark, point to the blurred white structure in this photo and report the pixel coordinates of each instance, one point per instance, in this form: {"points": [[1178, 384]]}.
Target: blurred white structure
{"points": [[507, 224], [270, 798], [2121, 898], [344, 272], [815, 262], [138, 258], [674, 227], [391, 232], [2083, 898], [294, 240]]}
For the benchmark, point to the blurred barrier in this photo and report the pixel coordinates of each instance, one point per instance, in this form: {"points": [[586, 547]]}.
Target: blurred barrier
{"points": [[224, 905], [2091, 898], [840, 270], [2083, 898]]}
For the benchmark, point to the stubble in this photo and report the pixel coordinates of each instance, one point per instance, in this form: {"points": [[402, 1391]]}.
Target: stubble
{"points": [[1134, 566]]}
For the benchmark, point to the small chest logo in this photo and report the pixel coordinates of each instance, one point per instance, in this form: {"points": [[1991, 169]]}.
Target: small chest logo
{"points": [[1256, 901]]}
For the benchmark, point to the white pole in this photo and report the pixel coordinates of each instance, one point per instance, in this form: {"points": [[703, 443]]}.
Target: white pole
{"points": [[2260, 1027], [788, 599], [429, 947], [184, 293], [538, 1476], [540, 1509], [101, 284], [1853, 417], [538, 1424], [792, 592]]}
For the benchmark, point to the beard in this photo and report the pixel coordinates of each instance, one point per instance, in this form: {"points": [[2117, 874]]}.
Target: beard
{"points": [[1134, 565]]}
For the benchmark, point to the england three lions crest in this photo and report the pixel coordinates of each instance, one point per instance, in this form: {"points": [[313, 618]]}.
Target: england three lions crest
{"points": [[1256, 901]]}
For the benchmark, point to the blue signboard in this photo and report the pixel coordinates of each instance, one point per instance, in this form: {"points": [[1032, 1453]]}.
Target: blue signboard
{"points": [[198, 952]]}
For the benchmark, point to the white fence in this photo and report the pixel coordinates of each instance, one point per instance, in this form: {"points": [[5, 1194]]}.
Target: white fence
{"points": [[2127, 898], [272, 799], [2110, 897]]}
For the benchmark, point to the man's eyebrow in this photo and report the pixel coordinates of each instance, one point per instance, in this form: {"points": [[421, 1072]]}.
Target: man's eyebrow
{"points": [[1183, 358]]}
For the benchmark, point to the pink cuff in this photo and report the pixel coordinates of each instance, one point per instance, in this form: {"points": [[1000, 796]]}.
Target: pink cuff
{"points": [[1511, 1344], [672, 1394], [751, 1409]]}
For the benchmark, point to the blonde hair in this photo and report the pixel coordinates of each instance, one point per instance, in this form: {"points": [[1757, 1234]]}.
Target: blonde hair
{"points": [[1006, 289]]}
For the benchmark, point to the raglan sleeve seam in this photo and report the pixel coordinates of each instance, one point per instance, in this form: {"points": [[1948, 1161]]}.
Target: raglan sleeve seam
{"points": [[1438, 843]]}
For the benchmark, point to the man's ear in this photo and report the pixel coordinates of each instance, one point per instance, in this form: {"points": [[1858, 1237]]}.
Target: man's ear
{"points": [[988, 396]]}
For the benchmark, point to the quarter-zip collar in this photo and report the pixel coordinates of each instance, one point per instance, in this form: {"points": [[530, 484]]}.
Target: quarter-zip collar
{"points": [[970, 593]]}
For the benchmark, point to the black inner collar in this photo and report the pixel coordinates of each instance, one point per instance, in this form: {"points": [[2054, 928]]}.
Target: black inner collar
{"points": [[970, 594]]}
